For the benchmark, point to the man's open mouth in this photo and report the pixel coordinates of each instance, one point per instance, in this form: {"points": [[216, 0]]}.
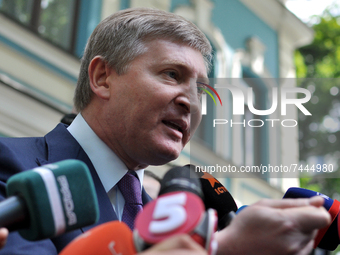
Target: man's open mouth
{"points": [[173, 125]]}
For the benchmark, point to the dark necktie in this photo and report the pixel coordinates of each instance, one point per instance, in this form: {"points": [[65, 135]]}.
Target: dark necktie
{"points": [[130, 188]]}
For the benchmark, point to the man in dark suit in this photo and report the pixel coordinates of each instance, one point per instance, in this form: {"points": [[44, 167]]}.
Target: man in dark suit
{"points": [[133, 103], [139, 105]]}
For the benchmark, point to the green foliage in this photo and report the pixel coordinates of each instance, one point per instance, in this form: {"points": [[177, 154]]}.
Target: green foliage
{"points": [[306, 183], [301, 68], [318, 69]]}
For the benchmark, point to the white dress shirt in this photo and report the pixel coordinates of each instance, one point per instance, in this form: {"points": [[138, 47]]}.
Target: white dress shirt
{"points": [[109, 167]]}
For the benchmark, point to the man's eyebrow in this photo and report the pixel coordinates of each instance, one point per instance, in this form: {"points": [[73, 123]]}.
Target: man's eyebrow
{"points": [[174, 62]]}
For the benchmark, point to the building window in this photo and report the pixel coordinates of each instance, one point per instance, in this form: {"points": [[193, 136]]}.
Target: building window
{"points": [[54, 20]]}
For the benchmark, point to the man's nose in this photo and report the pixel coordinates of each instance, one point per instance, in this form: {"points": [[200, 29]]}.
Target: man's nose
{"points": [[189, 100]]}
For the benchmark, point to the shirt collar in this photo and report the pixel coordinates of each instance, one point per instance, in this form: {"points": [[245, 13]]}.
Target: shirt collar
{"points": [[108, 165]]}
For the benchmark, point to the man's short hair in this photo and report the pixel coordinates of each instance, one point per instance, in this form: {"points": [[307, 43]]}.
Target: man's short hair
{"points": [[121, 37]]}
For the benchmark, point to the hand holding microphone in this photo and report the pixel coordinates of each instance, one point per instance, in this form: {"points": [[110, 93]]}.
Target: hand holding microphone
{"points": [[328, 238], [261, 234], [277, 227], [267, 227]]}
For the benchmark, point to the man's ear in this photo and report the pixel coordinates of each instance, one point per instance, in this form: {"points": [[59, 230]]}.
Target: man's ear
{"points": [[99, 71]]}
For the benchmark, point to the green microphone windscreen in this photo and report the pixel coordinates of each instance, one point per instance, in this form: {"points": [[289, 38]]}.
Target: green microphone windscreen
{"points": [[59, 197]]}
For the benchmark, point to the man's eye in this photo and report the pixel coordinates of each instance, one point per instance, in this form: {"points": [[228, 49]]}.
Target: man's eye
{"points": [[172, 74]]}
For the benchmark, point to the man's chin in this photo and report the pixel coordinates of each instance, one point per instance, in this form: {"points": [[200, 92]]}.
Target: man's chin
{"points": [[164, 157]]}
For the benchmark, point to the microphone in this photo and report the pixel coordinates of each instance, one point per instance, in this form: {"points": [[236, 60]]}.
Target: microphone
{"points": [[217, 197], [328, 237], [106, 239], [178, 209], [241, 209], [181, 179], [50, 200]]}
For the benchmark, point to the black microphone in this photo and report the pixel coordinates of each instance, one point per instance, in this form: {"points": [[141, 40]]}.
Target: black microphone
{"points": [[217, 197], [181, 179], [49, 200], [327, 238]]}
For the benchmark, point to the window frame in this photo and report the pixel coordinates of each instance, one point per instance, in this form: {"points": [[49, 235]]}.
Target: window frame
{"points": [[34, 23]]}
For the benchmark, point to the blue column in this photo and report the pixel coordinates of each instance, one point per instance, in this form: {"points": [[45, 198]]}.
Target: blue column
{"points": [[89, 17]]}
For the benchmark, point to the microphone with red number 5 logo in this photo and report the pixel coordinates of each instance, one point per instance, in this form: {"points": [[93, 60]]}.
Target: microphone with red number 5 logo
{"points": [[178, 209]]}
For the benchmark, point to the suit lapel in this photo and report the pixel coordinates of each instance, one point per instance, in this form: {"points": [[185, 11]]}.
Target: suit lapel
{"points": [[60, 146], [145, 197]]}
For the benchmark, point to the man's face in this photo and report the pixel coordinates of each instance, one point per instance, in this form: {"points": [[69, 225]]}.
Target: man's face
{"points": [[154, 107]]}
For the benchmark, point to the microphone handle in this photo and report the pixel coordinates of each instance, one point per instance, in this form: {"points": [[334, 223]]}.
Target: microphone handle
{"points": [[12, 210]]}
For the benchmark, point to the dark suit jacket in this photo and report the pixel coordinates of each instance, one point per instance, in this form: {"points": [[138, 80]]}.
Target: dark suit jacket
{"points": [[20, 154]]}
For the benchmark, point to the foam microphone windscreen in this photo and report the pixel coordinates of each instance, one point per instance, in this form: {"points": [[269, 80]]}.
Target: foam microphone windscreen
{"points": [[327, 238], [217, 197], [58, 197], [106, 239], [181, 179]]}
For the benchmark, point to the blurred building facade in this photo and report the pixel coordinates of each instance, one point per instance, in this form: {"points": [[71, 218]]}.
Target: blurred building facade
{"points": [[41, 42]]}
